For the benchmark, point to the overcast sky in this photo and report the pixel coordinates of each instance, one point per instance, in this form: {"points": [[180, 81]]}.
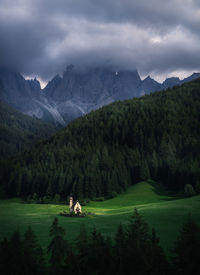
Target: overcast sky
{"points": [[158, 37]]}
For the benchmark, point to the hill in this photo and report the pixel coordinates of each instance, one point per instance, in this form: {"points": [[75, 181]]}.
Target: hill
{"points": [[166, 214], [19, 132], [104, 152]]}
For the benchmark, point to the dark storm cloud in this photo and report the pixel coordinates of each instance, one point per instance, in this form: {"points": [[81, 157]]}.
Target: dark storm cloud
{"points": [[42, 36], [137, 11]]}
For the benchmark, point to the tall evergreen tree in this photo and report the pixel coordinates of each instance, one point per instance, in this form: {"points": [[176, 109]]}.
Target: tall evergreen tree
{"points": [[138, 244], [57, 247], [72, 263], [186, 251], [12, 256], [158, 261], [119, 251], [96, 257], [33, 253], [82, 244], [4, 257]]}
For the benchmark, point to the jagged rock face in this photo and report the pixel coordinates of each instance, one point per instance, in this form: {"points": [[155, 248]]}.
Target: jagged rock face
{"points": [[76, 92], [92, 85], [14, 88], [52, 86], [18, 92], [171, 82], [150, 85], [24, 95], [34, 86]]}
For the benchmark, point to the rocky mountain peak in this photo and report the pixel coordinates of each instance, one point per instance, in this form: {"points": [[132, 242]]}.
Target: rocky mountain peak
{"points": [[191, 77], [170, 82], [78, 91], [34, 85]]}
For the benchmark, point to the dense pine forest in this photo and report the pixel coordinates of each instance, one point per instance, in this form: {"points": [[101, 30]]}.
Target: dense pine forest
{"points": [[134, 250], [104, 152], [19, 131]]}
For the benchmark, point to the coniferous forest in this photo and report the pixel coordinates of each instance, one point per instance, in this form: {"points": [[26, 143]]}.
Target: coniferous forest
{"points": [[99, 137], [102, 153], [134, 250], [20, 132]]}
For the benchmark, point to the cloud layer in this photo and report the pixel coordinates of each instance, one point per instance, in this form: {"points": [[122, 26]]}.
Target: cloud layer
{"points": [[157, 37]]}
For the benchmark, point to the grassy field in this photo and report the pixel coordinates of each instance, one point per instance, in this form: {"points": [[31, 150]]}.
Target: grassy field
{"points": [[161, 211]]}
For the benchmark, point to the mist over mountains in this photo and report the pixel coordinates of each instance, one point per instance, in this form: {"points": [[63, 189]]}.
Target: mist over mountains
{"points": [[76, 92]]}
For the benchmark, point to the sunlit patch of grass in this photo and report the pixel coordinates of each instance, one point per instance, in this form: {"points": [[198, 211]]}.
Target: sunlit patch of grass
{"points": [[161, 211]]}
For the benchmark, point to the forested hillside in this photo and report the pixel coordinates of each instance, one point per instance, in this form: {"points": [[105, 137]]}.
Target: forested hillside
{"points": [[19, 132], [156, 136]]}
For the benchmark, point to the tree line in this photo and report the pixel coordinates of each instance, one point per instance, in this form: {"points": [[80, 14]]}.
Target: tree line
{"points": [[134, 250], [104, 152]]}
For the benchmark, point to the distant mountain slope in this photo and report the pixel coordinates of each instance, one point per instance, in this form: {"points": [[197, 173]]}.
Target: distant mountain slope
{"points": [[76, 92], [156, 136], [27, 97], [18, 92], [79, 92], [19, 132]]}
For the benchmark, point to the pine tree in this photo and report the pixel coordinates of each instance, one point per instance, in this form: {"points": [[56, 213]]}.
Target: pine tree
{"points": [[72, 263], [137, 229], [187, 258], [119, 250], [33, 253], [16, 261], [157, 260], [82, 240], [96, 260], [82, 244], [4, 257], [58, 246], [138, 244], [144, 171]]}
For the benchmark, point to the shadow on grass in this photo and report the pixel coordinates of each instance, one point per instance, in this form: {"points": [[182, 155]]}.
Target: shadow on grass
{"points": [[160, 190]]}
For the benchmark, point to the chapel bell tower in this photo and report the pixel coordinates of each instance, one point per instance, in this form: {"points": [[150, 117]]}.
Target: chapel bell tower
{"points": [[70, 202]]}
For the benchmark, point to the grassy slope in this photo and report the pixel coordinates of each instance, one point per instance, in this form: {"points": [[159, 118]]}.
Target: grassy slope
{"points": [[164, 213]]}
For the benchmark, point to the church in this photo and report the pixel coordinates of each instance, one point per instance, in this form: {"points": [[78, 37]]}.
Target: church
{"points": [[74, 206]]}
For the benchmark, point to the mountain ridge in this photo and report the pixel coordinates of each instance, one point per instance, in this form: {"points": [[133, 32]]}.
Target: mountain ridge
{"points": [[102, 153], [77, 92]]}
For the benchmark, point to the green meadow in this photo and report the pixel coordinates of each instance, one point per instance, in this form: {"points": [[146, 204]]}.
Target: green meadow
{"points": [[163, 212]]}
